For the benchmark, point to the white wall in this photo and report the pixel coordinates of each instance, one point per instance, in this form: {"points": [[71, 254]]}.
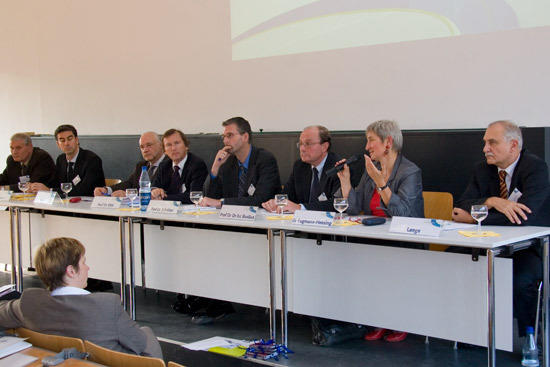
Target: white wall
{"points": [[123, 66]]}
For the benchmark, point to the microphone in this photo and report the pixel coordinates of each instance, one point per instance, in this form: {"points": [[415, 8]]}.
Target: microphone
{"points": [[350, 160]]}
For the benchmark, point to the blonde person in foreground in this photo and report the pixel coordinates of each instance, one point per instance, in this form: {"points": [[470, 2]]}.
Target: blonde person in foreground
{"points": [[66, 308]]}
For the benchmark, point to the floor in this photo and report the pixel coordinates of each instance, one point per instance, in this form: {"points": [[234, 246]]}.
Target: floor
{"points": [[154, 310]]}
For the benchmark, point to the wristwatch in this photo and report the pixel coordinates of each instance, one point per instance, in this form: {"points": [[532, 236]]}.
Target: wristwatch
{"points": [[382, 187]]}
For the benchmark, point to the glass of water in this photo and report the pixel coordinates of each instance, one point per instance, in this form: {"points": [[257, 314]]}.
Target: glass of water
{"points": [[281, 200], [195, 197], [23, 186], [479, 212], [340, 204], [131, 194], [66, 187]]}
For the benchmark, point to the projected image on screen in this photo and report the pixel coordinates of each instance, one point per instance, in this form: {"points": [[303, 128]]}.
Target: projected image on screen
{"points": [[283, 27]]}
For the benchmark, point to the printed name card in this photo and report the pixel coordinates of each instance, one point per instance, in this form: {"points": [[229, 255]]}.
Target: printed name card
{"points": [[416, 226], [313, 218], [238, 212], [45, 197], [106, 202], [163, 207], [5, 195]]}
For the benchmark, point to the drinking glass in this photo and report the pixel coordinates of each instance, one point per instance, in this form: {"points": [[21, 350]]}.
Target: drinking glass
{"points": [[131, 194], [196, 197], [340, 204], [23, 186], [66, 187], [281, 200], [479, 212]]}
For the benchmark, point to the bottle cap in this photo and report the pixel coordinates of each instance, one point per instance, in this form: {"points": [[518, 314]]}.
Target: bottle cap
{"points": [[530, 330]]}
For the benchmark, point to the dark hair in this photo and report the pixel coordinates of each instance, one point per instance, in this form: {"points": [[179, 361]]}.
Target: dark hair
{"points": [[171, 132], [243, 126], [53, 257], [63, 128]]}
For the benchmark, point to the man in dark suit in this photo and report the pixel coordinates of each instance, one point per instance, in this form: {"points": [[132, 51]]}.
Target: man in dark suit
{"points": [[70, 310], [308, 186], [81, 167], [514, 185], [182, 173], [241, 174], [152, 153], [26, 164]]}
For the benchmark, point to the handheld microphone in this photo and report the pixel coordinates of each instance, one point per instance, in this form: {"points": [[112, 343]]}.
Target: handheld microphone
{"points": [[350, 160], [373, 221]]}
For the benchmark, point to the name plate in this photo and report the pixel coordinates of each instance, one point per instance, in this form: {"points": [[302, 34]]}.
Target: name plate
{"points": [[238, 212], [5, 195], [106, 202], [416, 226], [45, 197], [313, 218], [163, 207]]}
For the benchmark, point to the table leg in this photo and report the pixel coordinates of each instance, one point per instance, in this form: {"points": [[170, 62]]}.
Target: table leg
{"points": [[132, 299], [13, 240], [272, 296], [284, 299], [544, 241], [122, 232], [19, 252], [491, 348]]}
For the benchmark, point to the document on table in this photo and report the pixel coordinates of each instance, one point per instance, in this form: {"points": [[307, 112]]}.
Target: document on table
{"points": [[17, 360], [449, 225], [215, 341], [12, 344]]}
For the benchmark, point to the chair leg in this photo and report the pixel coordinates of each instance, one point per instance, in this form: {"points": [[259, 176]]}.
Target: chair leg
{"points": [[455, 347], [427, 340]]}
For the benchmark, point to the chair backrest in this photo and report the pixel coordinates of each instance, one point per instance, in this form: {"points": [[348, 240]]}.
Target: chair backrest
{"points": [[438, 205], [113, 358], [112, 181], [174, 364], [55, 343]]}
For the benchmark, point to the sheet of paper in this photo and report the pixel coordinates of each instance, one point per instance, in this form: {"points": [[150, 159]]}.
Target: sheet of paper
{"points": [[451, 226], [17, 360], [215, 341]]}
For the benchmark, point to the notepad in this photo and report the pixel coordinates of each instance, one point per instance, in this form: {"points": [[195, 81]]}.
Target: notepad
{"points": [[12, 344]]}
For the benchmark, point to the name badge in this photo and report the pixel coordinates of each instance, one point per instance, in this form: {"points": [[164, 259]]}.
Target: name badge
{"points": [[313, 218], [515, 195], [45, 197], [238, 212], [76, 180], [322, 197], [24, 179], [416, 226], [106, 202], [251, 190], [163, 207]]}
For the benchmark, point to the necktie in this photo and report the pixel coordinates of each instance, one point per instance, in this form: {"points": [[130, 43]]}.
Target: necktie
{"points": [[242, 181], [23, 169], [502, 184], [151, 171], [70, 171], [174, 181], [314, 185]]}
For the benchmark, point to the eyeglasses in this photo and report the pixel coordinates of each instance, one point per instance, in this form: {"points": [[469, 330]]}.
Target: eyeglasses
{"points": [[306, 144], [228, 135]]}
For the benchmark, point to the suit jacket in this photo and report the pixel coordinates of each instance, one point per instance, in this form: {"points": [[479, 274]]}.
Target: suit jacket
{"points": [[132, 182], [192, 176], [530, 177], [406, 185], [40, 169], [298, 185], [88, 167], [97, 317], [263, 173]]}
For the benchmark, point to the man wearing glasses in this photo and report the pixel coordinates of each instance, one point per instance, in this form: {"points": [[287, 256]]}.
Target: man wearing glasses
{"points": [[81, 167], [241, 174], [308, 186]]}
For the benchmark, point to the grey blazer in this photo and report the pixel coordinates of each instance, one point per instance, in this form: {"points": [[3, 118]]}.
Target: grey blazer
{"points": [[406, 185], [97, 317]]}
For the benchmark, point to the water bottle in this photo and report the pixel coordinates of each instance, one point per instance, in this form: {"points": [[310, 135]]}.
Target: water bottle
{"points": [[144, 189], [530, 350]]}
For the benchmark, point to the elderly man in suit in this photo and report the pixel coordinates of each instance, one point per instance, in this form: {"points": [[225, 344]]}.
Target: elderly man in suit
{"points": [[81, 167], [182, 173], [26, 163], [67, 309], [152, 153], [308, 186], [241, 174], [514, 185]]}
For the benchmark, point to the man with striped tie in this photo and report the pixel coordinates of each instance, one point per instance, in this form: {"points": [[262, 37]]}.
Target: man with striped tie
{"points": [[514, 185]]}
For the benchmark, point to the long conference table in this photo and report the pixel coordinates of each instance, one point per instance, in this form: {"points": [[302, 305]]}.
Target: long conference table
{"points": [[432, 293]]}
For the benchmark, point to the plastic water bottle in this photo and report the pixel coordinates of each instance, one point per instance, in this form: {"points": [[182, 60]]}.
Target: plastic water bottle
{"points": [[144, 189], [530, 350]]}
